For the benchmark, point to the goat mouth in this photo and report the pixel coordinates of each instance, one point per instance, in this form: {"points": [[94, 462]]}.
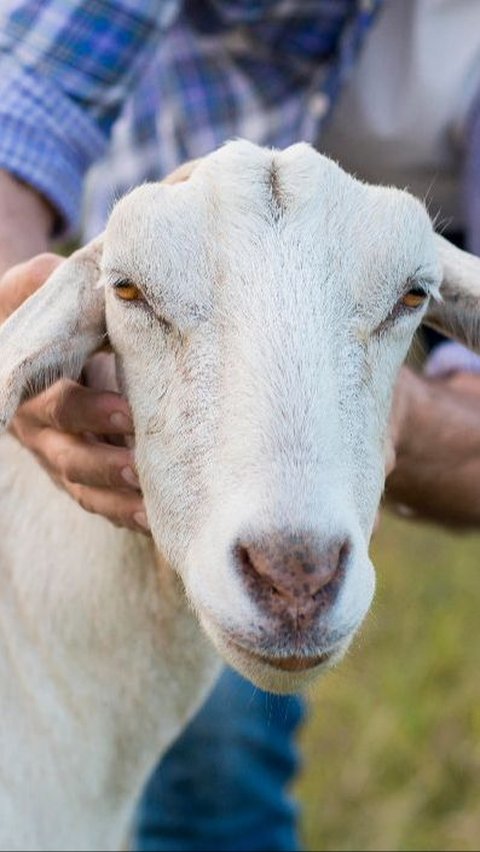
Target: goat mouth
{"points": [[285, 664]]}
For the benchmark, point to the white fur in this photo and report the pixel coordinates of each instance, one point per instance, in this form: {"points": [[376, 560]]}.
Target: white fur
{"points": [[260, 385]]}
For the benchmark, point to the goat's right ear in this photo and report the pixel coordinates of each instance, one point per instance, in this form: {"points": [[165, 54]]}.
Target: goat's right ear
{"points": [[457, 313], [53, 332]]}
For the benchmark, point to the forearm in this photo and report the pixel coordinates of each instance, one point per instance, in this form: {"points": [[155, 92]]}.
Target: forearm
{"points": [[26, 222], [437, 474]]}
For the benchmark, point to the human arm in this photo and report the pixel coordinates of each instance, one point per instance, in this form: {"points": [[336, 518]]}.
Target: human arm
{"points": [[26, 221], [66, 71]]}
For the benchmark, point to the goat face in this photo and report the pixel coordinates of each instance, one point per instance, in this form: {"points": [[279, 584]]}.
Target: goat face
{"points": [[259, 318], [260, 361]]}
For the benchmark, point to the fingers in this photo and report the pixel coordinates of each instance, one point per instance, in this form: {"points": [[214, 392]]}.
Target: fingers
{"points": [[61, 427], [123, 510], [75, 461], [22, 280], [70, 407], [100, 477]]}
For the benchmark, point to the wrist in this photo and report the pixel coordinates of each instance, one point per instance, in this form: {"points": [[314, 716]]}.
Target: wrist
{"points": [[26, 221]]}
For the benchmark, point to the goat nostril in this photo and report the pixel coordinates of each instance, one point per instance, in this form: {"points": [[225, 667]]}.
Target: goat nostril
{"points": [[243, 557], [336, 573], [293, 570], [252, 572]]}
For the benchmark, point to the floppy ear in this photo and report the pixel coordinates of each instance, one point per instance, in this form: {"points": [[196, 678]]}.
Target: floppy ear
{"points": [[53, 332], [457, 315]]}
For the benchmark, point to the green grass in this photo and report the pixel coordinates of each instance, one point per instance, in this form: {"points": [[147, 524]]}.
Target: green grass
{"points": [[392, 748]]}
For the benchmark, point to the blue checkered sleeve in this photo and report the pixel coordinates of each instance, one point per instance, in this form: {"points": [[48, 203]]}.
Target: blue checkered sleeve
{"points": [[66, 69]]}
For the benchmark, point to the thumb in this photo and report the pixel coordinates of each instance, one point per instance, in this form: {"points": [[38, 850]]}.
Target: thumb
{"points": [[22, 280]]}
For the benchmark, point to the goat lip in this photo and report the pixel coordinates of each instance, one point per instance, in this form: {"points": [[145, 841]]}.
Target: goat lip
{"points": [[285, 664]]}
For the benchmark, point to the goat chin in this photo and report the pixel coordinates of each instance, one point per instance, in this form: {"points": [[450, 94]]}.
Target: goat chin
{"points": [[281, 675]]}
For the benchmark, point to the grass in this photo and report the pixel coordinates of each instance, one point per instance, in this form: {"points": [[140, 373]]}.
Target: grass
{"points": [[392, 748]]}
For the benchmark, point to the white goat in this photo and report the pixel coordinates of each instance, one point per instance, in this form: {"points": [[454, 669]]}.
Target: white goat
{"points": [[259, 313]]}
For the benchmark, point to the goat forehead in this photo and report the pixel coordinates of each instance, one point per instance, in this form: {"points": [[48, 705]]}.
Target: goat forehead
{"points": [[312, 232], [248, 213]]}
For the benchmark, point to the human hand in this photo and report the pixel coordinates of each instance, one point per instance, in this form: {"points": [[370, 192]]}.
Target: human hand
{"points": [[435, 429], [68, 426], [398, 417]]}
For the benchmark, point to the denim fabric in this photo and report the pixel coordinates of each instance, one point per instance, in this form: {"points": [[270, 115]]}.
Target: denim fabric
{"points": [[224, 783]]}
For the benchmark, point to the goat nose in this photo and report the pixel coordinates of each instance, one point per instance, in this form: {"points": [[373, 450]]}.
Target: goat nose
{"points": [[292, 574]]}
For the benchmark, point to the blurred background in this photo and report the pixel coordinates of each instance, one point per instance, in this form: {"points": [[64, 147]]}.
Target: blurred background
{"points": [[392, 746]]}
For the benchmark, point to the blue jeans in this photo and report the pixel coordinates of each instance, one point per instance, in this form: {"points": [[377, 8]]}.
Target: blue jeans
{"points": [[224, 784]]}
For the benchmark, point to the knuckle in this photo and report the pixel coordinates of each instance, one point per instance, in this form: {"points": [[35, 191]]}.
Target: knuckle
{"points": [[40, 456], [113, 476], [42, 265], [58, 399], [18, 428], [81, 495], [23, 426], [62, 483], [33, 440], [62, 463], [58, 481], [83, 499], [47, 258], [122, 521], [54, 409]]}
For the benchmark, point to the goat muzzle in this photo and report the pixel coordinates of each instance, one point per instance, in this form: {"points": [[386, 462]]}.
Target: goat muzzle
{"points": [[292, 577]]}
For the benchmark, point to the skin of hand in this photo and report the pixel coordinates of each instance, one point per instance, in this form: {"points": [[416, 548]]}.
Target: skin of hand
{"points": [[435, 430], [72, 429]]}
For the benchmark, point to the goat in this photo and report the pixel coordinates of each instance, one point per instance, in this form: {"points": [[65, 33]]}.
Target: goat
{"points": [[259, 312]]}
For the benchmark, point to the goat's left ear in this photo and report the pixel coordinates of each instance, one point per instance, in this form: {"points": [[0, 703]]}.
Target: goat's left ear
{"points": [[53, 332], [457, 315]]}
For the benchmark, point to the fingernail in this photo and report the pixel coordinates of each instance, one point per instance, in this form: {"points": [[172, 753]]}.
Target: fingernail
{"points": [[140, 518], [129, 475], [121, 421]]}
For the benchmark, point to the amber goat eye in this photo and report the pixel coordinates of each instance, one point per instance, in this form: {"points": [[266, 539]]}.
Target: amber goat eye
{"points": [[127, 291], [414, 298]]}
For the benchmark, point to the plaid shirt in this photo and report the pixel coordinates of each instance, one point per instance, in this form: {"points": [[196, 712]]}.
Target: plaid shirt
{"points": [[184, 76]]}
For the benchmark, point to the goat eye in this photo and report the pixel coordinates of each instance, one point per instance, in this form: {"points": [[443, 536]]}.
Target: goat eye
{"points": [[127, 291], [414, 298]]}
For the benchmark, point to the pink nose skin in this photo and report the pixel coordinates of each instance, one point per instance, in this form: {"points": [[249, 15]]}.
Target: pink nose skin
{"points": [[293, 576]]}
